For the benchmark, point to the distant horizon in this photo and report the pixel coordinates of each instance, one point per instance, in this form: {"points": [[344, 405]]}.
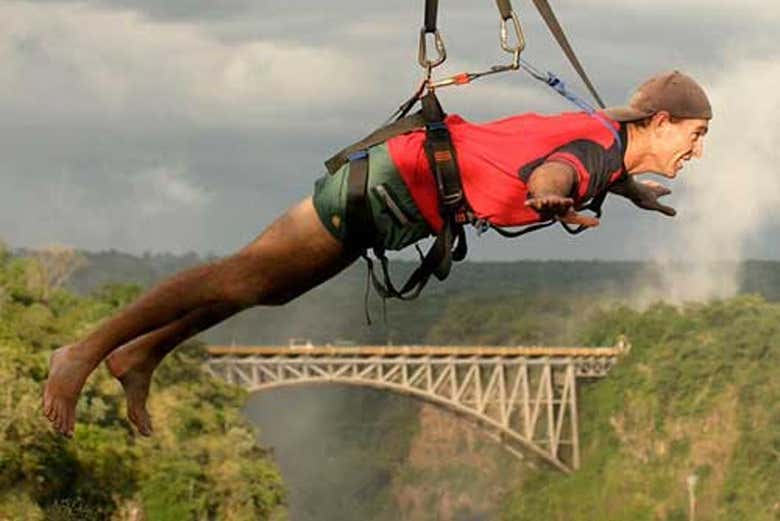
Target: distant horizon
{"points": [[208, 255]]}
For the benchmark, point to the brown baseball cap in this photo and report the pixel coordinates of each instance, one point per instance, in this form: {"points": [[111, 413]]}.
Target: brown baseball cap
{"points": [[674, 92]]}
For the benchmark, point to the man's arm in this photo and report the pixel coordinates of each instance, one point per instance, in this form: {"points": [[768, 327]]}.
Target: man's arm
{"points": [[550, 187]]}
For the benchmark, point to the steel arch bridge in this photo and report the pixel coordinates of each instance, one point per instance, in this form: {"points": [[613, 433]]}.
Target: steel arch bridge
{"points": [[526, 397]]}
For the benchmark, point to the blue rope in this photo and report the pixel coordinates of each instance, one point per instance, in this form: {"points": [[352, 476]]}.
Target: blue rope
{"points": [[559, 86]]}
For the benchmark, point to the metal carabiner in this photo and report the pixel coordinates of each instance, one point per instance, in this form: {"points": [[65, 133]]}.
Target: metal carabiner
{"points": [[422, 56], [517, 49]]}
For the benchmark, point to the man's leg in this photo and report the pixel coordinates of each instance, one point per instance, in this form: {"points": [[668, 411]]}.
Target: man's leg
{"points": [[134, 363], [293, 255]]}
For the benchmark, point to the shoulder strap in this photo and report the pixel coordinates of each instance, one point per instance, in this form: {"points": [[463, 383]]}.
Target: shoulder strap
{"points": [[442, 158], [380, 135]]}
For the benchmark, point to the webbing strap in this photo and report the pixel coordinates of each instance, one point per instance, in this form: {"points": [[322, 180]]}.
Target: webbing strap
{"points": [[518, 233], [431, 10], [555, 27], [449, 246], [560, 87], [431, 110], [431, 264], [358, 215], [442, 157], [505, 9], [401, 126]]}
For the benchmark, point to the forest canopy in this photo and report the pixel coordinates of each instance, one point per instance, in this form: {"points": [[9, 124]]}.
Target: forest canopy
{"points": [[202, 463]]}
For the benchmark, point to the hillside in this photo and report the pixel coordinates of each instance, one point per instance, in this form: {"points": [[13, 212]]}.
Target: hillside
{"points": [[694, 397], [697, 395], [203, 462]]}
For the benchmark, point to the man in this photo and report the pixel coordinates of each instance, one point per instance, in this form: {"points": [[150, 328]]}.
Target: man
{"points": [[514, 171]]}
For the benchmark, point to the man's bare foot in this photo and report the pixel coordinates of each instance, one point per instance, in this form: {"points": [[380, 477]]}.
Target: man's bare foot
{"points": [[135, 381], [67, 374]]}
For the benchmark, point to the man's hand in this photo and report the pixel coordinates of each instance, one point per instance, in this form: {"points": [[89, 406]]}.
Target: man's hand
{"points": [[549, 188], [644, 194], [556, 204], [562, 208]]}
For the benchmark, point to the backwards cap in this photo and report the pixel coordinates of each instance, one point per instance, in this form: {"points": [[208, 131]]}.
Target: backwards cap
{"points": [[674, 92]]}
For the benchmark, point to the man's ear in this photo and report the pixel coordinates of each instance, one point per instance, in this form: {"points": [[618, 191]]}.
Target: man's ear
{"points": [[659, 119]]}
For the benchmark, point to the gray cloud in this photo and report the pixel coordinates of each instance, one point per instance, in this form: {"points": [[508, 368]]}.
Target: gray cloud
{"points": [[242, 100], [736, 194]]}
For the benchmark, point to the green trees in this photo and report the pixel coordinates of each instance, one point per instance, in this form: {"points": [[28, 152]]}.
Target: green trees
{"points": [[202, 463], [697, 395]]}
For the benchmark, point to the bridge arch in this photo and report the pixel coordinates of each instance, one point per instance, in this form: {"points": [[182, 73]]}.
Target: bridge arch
{"points": [[501, 432]]}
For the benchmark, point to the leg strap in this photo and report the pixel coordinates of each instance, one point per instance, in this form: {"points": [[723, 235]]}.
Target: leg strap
{"points": [[360, 229]]}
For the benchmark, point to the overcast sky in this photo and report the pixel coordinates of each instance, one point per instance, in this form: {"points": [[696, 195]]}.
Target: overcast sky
{"points": [[189, 125]]}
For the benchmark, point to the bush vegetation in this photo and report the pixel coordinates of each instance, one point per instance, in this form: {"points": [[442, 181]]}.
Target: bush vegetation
{"points": [[202, 463]]}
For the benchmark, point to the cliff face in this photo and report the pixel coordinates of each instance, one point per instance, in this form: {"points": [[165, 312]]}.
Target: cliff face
{"points": [[453, 472]]}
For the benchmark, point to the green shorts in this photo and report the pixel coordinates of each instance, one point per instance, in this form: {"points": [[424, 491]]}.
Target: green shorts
{"points": [[397, 221]]}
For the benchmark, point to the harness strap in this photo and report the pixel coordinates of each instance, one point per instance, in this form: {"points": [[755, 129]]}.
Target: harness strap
{"points": [[442, 159], [450, 243], [380, 135], [504, 8], [431, 11], [441, 156], [430, 264], [453, 208], [358, 215], [518, 233], [559, 86], [437, 262], [555, 27]]}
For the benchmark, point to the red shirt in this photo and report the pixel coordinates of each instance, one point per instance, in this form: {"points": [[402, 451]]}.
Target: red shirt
{"points": [[497, 158]]}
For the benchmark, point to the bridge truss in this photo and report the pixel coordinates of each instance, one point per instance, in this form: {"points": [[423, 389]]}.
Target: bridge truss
{"points": [[525, 397]]}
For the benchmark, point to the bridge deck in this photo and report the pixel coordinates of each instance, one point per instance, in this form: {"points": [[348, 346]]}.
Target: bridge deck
{"points": [[419, 351]]}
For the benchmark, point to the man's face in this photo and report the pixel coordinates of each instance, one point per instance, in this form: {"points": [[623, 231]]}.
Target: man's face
{"points": [[675, 141]]}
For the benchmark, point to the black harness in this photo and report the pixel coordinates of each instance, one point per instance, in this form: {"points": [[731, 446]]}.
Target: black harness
{"points": [[450, 243]]}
